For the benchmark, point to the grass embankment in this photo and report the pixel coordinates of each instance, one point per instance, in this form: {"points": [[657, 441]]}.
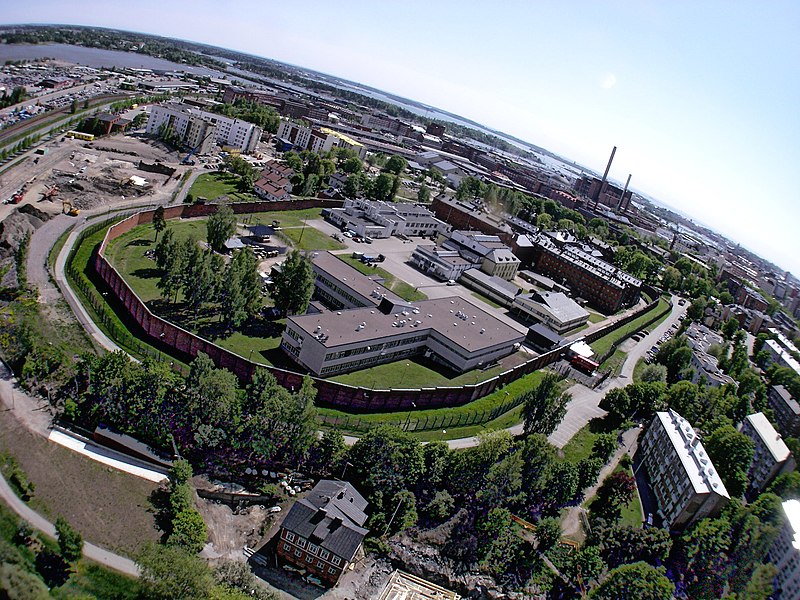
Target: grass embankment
{"points": [[495, 411], [398, 286], [631, 513], [604, 344]]}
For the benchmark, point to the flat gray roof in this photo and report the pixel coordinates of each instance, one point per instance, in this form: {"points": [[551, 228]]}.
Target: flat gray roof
{"points": [[479, 330], [352, 277]]}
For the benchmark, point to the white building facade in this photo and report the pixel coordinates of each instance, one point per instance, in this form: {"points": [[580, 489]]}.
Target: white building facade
{"points": [[185, 122]]}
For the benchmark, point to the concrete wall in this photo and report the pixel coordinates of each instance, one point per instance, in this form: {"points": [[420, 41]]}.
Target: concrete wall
{"points": [[329, 393]]}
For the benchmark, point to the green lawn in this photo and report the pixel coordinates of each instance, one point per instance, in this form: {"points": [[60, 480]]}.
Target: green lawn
{"points": [[580, 446], [637, 370], [603, 344], [220, 183], [614, 362], [309, 238], [398, 286], [286, 218], [595, 317], [411, 374], [630, 514]]}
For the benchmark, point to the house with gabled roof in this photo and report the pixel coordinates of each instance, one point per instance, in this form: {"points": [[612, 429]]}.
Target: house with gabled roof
{"points": [[323, 532]]}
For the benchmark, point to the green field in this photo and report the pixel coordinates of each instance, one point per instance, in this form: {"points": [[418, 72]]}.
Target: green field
{"points": [[398, 286], [309, 238], [220, 183], [285, 218]]}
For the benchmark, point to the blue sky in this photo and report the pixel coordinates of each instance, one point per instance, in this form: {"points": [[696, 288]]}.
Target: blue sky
{"points": [[702, 99]]}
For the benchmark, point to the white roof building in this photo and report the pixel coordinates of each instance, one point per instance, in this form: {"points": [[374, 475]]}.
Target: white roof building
{"points": [[684, 481]]}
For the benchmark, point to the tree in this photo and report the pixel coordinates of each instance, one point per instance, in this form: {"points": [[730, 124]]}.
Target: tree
{"points": [[588, 471], [382, 187], [246, 180], [387, 460], [731, 452], [220, 227], [405, 511], [159, 222], [240, 295], [440, 507], [212, 397], [702, 557], [729, 328], [198, 276], [617, 403], [70, 542], [171, 572], [423, 194], [395, 165], [639, 580], [624, 544], [292, 287], [188, 531], [352, 165], [548, 532], [653, 373], [544, 406], [237, 575], [604, 446]]}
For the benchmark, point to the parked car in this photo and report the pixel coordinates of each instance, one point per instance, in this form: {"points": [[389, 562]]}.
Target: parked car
{"points": [[274, 509]]}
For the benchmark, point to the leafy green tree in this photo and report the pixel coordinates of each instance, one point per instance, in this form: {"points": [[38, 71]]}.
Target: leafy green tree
{"points": [[382, 187], [188, 531], [396, 164], [159, 222], [440, 507], [671, 279], [70, 542], [604, 446], [352, 165], [729, 328], [623, 544], [292, 288], [212, 395], [327, 453], [638, 580], [436, 456], [237, 575], [588, 471], [654, 373], [170, 258], [731, 452], [544, 406], [470, 187], [246, 180], [198, 276], [387, 460], [548, 532], [241, 290], [503, 483], [405, 512], [220, 227], [423, 194], [498, 545], [617, 403], [171, 572]]}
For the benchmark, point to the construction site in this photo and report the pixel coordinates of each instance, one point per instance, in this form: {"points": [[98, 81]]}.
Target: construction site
{"points": [[68, 175]]}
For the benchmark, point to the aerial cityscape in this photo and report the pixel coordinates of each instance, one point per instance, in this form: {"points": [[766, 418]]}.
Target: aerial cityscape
{"points": [[332, 302]]}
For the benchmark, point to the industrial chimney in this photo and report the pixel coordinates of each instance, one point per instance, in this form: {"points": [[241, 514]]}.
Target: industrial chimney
{"points": [[603, 181], [622, 206]]}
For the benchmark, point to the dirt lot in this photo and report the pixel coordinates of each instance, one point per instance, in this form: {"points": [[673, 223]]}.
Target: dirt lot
{"points": [[109, 508]]}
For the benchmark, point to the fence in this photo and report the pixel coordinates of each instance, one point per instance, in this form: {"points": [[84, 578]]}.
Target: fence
{"points": [[329, 393]]}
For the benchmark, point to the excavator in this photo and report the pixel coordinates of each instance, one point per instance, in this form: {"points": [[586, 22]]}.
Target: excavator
{"points": [[68, 209]]}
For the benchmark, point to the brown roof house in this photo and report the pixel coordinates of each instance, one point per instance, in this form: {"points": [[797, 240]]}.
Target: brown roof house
{"points": [[322, 533]]}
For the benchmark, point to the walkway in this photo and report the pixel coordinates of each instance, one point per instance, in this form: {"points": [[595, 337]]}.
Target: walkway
{"points": [[90, 551]]}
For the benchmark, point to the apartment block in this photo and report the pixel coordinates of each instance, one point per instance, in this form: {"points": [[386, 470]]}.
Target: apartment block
{"points": [[684, 482], [771, 455], [786, 410], [785, 553], [193, 126]]}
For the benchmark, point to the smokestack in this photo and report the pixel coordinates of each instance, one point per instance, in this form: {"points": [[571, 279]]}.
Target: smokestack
{"points": [[622, 205], [605, 176]]}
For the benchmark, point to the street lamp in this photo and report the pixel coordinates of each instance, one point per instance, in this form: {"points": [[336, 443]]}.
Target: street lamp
{"points": [[408, 418]]}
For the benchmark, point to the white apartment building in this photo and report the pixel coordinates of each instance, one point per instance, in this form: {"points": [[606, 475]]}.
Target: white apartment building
{"points": [[191, 125], [684, 482], [785, 553], [317, 140], [771, 455]]}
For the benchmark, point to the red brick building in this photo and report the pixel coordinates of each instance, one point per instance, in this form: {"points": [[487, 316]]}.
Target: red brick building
{"points": [[322, 533]]}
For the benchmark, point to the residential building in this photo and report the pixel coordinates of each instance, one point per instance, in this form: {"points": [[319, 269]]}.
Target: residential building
{"points": [[786, 410], [322, 533], [785, 553], [747, 297], [495, 288], [685, 484], [779, 355], [379, 219], [556, 310], [590, 277], [374, 326], [319, 140], [771, 455], [272, 185], [186, 124]]}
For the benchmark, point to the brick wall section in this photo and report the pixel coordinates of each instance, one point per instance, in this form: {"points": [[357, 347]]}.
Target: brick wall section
{"points": [[329, 393]]}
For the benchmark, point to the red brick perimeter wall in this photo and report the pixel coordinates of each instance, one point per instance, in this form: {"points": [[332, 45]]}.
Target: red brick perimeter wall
{"points": [[329, 392]]}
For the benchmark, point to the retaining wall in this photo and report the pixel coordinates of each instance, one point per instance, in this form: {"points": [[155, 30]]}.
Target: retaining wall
{"points": [[329, 393]]}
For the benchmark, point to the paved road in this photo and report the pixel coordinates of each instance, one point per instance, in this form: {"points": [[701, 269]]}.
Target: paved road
{"points": [[90, 551]]}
